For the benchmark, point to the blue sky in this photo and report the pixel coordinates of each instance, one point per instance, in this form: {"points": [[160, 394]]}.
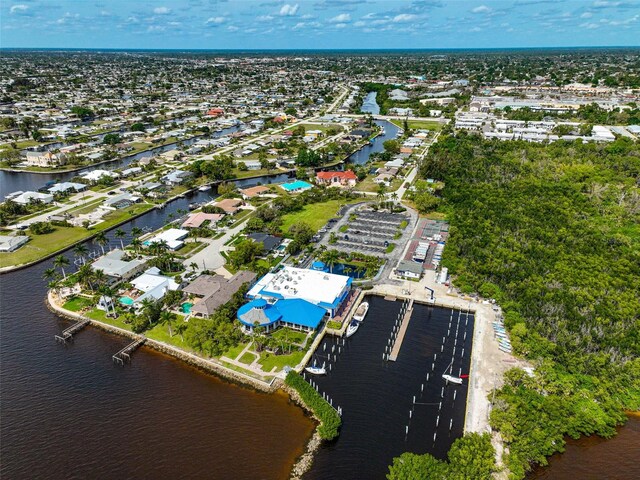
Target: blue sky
{"points": [[249, 24]]}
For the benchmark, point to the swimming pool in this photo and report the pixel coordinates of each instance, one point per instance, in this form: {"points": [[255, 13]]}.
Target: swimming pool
{"points": [[186, 307], [296, 186], [126, 301]]}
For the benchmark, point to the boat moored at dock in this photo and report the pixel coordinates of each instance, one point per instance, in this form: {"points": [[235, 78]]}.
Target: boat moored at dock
{"points": [[361, 312], [352, 328]]}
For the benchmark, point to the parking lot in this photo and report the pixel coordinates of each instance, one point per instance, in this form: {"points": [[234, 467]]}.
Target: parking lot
{"points": [[363, 230]]}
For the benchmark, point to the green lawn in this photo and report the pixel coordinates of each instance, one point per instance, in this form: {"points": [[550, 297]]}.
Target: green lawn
{"points": [[188, 248], [247, 358], [233, 352], [269, 360], [101, 316], [75, 304], [433, 125], [294, 335], [316, 214], [86, 207], [161, 333], [368, 185]]}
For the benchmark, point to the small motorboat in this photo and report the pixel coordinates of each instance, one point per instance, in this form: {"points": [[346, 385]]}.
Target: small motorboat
{"points": [[315, 370], [204, 188], [361, 312], [452, 379], [352, 328]]}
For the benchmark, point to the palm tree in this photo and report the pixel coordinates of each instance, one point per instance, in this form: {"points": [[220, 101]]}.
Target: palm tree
{"points": [[168, 318], [330, 258], [108, 292], [99, 277], [54, 285], [85, 276], [49, 274], [136, 243], [394, 196], [120, 234], [80, 250], [101, 239], [136, 232], [61, 261]]}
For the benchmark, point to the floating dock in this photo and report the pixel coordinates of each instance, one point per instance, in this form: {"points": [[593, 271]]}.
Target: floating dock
{"points": [[401, 333]]}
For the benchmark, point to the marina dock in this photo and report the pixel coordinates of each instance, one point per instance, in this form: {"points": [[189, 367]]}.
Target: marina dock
{"points": [[401, 333], [67, 333]]}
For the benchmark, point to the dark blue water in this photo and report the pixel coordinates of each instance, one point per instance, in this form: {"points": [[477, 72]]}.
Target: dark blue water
{"points": [[376, 396]]}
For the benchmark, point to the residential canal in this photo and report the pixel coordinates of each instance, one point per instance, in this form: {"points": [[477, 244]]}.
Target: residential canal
{"points": [[376, 396], [24, 181], [68, 412], [362, 156], [370, 104]]}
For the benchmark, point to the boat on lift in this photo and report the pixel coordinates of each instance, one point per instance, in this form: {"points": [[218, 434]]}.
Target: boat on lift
{"points": [[204, 188], [452, 379], [352, 328]]}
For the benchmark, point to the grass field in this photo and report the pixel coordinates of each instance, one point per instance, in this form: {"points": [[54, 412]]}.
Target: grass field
{"points": [[161, 333], [76, 304], [247, 358], [368, 185], [268, 360], [233, 352], [316, 214], [101, 316], [434, 125]]}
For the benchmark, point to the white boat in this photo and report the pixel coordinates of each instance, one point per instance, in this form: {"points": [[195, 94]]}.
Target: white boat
{"points": [[383, 132], [316, 370], [352, 328], [361, 312], [452, 379], [205, 188]]}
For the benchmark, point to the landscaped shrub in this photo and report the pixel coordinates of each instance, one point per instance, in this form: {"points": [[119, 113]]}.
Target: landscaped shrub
{"points": [[329, 418]]}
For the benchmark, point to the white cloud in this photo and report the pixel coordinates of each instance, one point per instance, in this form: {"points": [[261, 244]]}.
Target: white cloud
{"points": [[590, 26], [215, 20], [343, 17], [155, 28], [404, 17], [264, 18], [481, 9], [20, 8], [232, 28], [359, 23], [340, 25], [289, 10], [161, 10], [586, 15]]}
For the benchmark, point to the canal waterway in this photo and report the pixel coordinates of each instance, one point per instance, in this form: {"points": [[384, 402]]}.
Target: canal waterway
{"points": [[370, 104], [24, 181], [362, 156], [377, 396]]}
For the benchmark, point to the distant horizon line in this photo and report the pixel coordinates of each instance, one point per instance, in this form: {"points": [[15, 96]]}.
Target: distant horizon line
{"points": [[420, 49]]}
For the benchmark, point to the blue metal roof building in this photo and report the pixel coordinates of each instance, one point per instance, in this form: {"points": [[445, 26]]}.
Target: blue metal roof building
{"points": [[292, 313]]}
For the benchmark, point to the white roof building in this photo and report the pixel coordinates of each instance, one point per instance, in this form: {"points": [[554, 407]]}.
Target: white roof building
{"points": [[113, 265], [27, 197], [95, 175], [173, 237], [326, 290], [153, 285]]}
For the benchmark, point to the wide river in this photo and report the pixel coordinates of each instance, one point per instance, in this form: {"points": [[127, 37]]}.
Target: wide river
{"points": [[68, 412]]}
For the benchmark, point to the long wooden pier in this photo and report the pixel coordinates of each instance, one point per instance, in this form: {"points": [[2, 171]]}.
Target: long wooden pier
{"points": [[124, 355], [403, 330], [67, 333]]}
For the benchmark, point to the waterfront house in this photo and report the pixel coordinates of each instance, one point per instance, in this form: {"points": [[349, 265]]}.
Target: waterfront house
{"points": [[150, 285], [177, 177], [196, 220], [10, 243], [26, 198], [64, 187], [213, 291], [252, 192], [122, 200], [95, 175], [230, 206], [173, 237], [44, 159], [115, 266], [346, 179]]}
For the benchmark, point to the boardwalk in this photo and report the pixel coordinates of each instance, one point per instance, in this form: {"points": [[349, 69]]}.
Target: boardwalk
{"points": [[403, 329]]}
